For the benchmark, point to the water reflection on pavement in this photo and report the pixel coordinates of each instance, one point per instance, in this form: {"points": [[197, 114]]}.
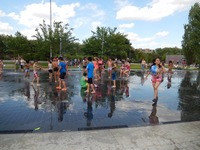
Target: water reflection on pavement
{"points": [[28, 108]]}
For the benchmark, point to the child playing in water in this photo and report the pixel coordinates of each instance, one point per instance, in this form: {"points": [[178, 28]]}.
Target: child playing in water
{"points": [[1, 66], [36, 77], [84, 81], [90, 69], [156, 70], [50, 69], [114, 72], [62, 71], [27, 69]]}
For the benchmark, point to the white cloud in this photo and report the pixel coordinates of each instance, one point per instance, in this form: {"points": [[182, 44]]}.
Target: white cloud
{"points": [[148, 42], [151, 45], [95, 24], [2, 13], [155, 10], [13, 15], [28, 32], [89, 6], [135, 38], [162, 33], [78, 23], [132, 36], [5, 28], [130, 25], [34, 14], [88, 16], [121, 3]]}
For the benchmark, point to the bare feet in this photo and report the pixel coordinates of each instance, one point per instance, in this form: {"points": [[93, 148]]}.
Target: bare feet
{"points": [[58, 88], [93, 92]]}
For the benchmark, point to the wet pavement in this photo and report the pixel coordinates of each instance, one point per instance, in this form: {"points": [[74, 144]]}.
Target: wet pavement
{"points": [[26, 108], [178, 136]]}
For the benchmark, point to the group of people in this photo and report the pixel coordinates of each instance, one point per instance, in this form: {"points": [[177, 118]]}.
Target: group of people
{"points": [[94, 67], [57, 68]]}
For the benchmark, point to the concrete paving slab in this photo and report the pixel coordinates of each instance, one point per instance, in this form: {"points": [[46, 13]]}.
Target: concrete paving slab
{"points": [[160, 137]]}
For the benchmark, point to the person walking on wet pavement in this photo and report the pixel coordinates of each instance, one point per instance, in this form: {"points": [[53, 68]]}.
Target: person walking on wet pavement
{"points": [[62, 70], [143, 65], [1, 66], [156, 70], [109, 62], [36, 77], [50, 70], [90, 70], [114, 73], [27, 69], [55, 68]]}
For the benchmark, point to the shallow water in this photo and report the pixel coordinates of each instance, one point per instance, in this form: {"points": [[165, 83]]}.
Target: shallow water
{"points": [[27, 108]]}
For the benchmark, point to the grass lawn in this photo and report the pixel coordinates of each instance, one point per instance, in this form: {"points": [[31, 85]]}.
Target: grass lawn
{"points": [[10, 65]]}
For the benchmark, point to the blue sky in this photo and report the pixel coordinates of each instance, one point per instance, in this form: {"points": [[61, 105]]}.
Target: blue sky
{"points": [[147, 23]]}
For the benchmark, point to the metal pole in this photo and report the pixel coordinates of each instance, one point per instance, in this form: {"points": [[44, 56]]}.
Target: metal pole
{"points": [[50, 30], [102, 44], [60, 46]]}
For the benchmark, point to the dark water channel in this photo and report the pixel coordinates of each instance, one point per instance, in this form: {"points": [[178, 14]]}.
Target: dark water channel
{"points": [[27, 108]]}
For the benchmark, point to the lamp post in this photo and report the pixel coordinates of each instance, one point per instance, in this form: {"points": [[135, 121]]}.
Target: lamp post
{"points": [[50, 30], [60, 46], [102, 44]]}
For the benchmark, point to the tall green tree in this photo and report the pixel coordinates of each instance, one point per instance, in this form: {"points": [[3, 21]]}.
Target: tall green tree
{"points": [[60, 37], [17, 45], [191, 38], [2, 46], [107, 42]]}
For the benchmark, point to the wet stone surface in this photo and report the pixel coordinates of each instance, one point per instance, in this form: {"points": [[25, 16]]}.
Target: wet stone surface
{"points": [[27, 108]]}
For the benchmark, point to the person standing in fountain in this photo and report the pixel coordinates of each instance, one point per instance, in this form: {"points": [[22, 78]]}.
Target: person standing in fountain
{"points": [[90, 70], [1, 66], [62, 70], [143, 65], [27, 69], [55, 69], [156, 70], [84, 81], [109, 62], [50, 70], [36, 77], [114, 73]]}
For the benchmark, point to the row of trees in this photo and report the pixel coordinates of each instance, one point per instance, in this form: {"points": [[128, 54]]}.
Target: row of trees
{"points": [[104, 42]]}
